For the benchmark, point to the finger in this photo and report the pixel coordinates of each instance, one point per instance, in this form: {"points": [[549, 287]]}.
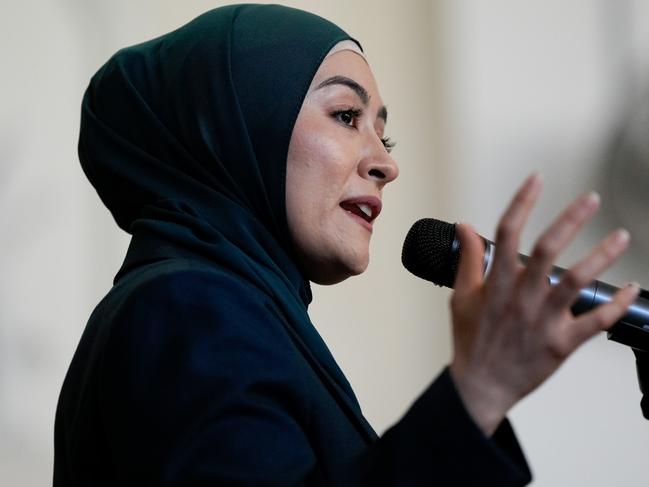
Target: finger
{"points": [[602, 317], [505, 259], [582, 274], [470, 270], [554, 240]]}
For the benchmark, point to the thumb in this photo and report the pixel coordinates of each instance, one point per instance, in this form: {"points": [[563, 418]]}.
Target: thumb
{"points": [[470, 270]]}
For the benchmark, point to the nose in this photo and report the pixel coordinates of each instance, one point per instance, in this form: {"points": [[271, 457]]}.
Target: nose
{"points": [[378, 165]]}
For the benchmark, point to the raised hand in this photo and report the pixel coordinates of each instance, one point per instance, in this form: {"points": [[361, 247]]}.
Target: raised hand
{"points": [[512, 330]]}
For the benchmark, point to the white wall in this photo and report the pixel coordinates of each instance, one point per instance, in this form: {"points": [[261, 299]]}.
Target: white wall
{"points": [[479, 94], [543, 85]]}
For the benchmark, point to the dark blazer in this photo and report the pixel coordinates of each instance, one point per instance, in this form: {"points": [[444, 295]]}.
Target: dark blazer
{"points": [[187, 375]]}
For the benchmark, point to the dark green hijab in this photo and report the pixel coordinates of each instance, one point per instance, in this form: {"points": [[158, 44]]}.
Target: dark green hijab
{"points": [[185, 138], [206, 109]]}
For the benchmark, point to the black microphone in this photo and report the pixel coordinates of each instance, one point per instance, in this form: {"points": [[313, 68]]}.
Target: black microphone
{"points": [[431, 251]]}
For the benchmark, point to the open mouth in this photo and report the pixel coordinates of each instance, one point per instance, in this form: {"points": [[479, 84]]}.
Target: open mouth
{"points": [[363, 210], [366, 208]]}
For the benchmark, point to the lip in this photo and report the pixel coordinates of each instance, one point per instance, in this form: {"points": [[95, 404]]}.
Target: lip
{"points": [[372, 201]]}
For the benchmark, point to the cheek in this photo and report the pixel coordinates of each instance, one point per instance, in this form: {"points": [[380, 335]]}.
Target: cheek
{"points": [[319, 167], [318, 153]]}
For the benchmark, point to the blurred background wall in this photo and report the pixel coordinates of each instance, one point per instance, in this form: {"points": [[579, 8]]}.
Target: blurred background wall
{"points": [[479, 94]]}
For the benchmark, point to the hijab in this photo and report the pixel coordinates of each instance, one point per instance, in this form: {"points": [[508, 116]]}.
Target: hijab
{"points": [[185, 138]]}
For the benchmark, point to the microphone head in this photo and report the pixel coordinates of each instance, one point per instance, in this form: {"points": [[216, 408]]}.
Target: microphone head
{"points": [[431, 251]]}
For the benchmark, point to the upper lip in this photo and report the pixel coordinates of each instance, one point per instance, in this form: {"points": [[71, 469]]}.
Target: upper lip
{"points": [[372, 201]]}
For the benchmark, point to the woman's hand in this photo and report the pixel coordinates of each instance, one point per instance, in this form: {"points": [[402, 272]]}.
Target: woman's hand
{"points": [[512, 330]]}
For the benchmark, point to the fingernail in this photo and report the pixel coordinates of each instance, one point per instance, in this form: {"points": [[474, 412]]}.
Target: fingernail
{"points": [[621, 236], [592, 198], [534, 179]]}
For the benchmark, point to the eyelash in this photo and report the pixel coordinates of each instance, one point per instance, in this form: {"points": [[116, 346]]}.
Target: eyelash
{"points": [[355, 113]]}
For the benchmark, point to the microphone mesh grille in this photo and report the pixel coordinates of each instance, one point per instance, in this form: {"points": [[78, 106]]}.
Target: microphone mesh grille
{"points": [[428, 251]]}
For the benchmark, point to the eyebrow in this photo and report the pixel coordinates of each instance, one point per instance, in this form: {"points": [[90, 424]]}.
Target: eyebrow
{"points": [[358, 89]]}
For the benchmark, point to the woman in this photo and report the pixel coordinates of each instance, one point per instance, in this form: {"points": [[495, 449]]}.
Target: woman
{"points": [[245, 152]]}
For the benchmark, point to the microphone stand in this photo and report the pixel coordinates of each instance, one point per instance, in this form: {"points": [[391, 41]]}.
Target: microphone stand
{"points": [[642, 367]]}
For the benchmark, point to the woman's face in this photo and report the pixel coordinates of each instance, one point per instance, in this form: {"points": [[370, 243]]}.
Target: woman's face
{"points": [[337, 167]]}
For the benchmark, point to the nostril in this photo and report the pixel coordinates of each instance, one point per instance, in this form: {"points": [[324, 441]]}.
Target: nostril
{"points": [[377, 174]]}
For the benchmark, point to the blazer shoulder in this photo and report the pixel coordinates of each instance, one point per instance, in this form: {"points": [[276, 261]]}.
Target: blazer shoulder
{"points": [[183, 302]]}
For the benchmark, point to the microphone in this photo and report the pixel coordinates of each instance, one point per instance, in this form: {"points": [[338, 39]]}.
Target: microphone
{"points": [[432, 252]]}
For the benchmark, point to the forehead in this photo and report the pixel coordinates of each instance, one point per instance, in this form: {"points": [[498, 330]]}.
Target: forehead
{"points": [[351, 65]]}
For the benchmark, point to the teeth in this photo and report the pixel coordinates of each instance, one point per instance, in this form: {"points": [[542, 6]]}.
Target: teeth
{"points": [[365, 209]]}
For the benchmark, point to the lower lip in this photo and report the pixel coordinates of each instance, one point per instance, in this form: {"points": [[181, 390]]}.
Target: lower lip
{"points": [[363, 222]]}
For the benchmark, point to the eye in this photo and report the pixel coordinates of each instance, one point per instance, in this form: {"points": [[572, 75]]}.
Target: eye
{"points": [[388, 144], [348, 116]]}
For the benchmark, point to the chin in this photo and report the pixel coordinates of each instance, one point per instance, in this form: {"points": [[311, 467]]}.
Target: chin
{"points": [[333, 274]]}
